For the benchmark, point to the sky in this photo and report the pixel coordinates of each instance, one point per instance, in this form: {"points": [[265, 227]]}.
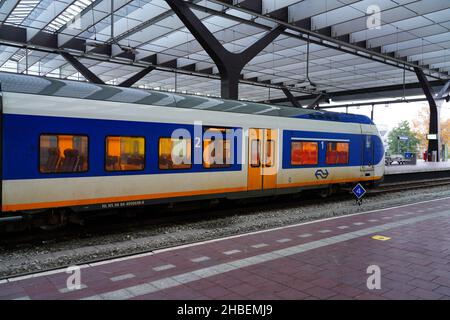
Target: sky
{"points": [[388, 117]]}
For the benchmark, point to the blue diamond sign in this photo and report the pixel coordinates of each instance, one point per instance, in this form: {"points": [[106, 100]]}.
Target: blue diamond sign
{"points": [[359, 191]]}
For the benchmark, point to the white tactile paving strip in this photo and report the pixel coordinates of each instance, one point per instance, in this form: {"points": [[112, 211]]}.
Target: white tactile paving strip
{"points": [[164, 267], [122, 277], [284, 240], [173, 281], [200, 259], [230, 252], [259, 245], [305, 235]]}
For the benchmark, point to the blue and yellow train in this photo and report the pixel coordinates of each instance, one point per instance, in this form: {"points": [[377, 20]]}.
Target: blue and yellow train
{"points": [[81, 146]]}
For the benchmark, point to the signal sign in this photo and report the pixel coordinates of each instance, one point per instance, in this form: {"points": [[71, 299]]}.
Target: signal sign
{"points": [[359, 192]]}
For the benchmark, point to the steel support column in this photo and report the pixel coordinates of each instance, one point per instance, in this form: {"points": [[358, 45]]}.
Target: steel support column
{"points": [[291, 98], [81, 68], [229, 64], [138, 76], [433, 145]]}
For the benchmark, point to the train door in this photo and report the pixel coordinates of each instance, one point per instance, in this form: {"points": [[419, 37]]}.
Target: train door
{"points": [[367, 155], [262, 155]]}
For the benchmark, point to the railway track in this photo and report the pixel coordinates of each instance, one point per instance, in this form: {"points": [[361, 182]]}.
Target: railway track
{"points": [[133, 219], [130, 219], [122, 224], [408, 185]]}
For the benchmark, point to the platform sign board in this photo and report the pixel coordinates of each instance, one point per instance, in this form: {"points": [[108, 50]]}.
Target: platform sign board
{"points": [[359, 191]]}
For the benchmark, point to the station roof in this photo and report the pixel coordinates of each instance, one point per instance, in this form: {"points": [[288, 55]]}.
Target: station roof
{"points": [[81, 90], [345, 55]]}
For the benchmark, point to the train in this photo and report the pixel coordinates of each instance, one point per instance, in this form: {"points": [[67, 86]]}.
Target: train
{"points": [[70, 146]]}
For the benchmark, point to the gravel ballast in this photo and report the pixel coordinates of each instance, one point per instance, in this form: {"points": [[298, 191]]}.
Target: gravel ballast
{"points": [[55, 253]]}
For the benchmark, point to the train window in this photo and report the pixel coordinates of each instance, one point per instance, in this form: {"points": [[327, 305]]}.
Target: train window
{"points": [[63, 153], [255, 153], [270, 152], [216, 149], [304, 153], [174, 153], [125, 153], [337, 153]]}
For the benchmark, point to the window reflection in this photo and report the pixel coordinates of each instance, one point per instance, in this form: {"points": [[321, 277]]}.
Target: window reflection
{"points": [[125, 153], [63, 153], [174, 153]]}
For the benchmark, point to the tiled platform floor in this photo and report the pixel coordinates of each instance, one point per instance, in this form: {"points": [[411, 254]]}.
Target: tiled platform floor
{"points": [[325, 259]]}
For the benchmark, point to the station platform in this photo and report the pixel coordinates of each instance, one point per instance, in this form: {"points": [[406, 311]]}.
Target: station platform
{"points": [[326, 259], [421, 166]]}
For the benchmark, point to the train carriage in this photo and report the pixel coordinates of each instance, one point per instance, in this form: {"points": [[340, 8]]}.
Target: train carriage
{"points": [[84, 146]]}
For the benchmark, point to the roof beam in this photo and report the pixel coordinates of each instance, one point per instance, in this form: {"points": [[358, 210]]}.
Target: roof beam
{"points": [[230, 64], [443, 91], [305, 23], [138, 76], [337, 43], [15, 36], [91, 77], [373, 103], [291, 98], [355, 92], [316, 101], [75, 48]]}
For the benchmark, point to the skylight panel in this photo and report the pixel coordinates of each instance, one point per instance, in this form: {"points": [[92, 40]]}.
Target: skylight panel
{"points": [[21, 11], [68, 15], [20, 54]]}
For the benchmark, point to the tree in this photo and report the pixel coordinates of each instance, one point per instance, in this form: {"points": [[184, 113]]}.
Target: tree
{"points": [[445, 132], [421, 125], [402, 130]]}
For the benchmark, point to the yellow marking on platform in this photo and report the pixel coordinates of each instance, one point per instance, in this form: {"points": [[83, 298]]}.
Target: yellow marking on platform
{"points": [[381, 238]]}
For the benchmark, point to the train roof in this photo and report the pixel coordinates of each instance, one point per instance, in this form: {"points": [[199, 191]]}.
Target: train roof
{"points": [[18, 83]]}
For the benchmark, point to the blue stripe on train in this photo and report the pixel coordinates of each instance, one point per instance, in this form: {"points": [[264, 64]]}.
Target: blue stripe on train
{"points": [[357, 142], [21, 144]]}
